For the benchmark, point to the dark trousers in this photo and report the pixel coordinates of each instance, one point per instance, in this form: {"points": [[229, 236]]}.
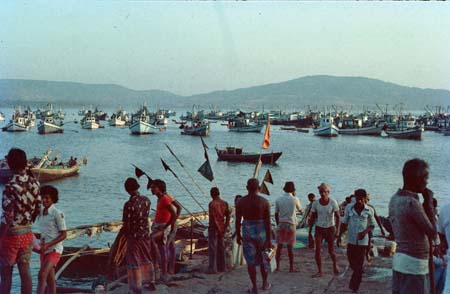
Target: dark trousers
{"points": [[216, 251], [356, 255]]}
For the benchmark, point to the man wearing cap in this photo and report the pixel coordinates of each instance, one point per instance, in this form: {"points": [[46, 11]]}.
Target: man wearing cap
{"points": [[138, 251], [360, 220], [286, 207]]}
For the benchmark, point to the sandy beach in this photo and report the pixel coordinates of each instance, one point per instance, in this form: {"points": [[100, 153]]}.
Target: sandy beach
{"points": [[376, 279]]}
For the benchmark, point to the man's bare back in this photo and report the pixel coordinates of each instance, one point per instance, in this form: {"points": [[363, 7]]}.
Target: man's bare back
{"points": [[253, 207]]}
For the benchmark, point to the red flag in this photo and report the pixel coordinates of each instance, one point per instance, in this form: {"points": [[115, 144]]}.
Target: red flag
{"points": [[266, 142]]}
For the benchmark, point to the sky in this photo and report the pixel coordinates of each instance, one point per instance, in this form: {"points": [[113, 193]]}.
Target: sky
{"points": [[197, 47]]}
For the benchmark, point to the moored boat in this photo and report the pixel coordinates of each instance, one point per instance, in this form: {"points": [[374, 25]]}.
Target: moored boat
{"points": [[140, 122], [2, 116], [18, 123], [235, 154], [89, 122], [119, 118], [244, 125], [409, 134], [200, 128], [49, 126], [326, 128]]}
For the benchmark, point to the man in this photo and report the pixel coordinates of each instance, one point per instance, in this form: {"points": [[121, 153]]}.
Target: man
{"points": [[163, 225], [138, 251], [21, 205], [360, 220], [326, 212], [413, 227], [219, 221], [256, 231], [444, 234], [286, 207]]}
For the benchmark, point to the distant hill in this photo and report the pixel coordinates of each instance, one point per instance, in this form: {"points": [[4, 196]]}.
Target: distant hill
{"points": [[309, 90]]}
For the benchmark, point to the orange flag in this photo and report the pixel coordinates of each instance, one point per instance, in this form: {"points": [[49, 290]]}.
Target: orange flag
{"points": [[266, 142]]}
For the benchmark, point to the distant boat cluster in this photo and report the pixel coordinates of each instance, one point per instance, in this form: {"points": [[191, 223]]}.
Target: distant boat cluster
{"points": [[197, 122]]}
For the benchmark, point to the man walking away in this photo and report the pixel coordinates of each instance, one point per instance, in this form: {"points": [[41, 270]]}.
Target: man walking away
{"points": [[286, 219], [360, 220], [219, 221], [256, 234], [413, 228]]}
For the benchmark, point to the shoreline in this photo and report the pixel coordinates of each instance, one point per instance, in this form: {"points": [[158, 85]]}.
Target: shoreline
{"points": [[376, 279]]}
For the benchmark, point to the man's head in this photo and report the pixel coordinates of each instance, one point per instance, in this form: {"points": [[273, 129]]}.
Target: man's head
{"points": [[49, 195], [415, 175], [289, 187], [158, 187], [252, 185], [17, 159], [311, 197], [237, 198], [324, 190], [131, 185], [214, 192], [361, 196]]}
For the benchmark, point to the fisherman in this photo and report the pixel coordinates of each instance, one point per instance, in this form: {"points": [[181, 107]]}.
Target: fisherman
{"points": [[219, 222], [360, 220], [326, 212], [410, 262], [286, 207], [164, 225], [52, 232], [21, 202], [138, 249], [256, 231], [311, 199]]}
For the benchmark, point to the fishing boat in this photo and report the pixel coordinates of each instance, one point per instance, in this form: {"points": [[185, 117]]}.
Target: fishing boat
{"points": [[244, 125], [235, 154], [99, 114], [326, 128], [89, 122], [302, 130], [50, 126], [43, 169], [409, 134], [200, 128], [140, 122], [2, 116], [354, 126], [119, 118], [18, 123]]}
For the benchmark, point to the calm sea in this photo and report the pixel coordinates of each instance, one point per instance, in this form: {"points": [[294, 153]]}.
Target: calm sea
{"points": [[346, 163]]}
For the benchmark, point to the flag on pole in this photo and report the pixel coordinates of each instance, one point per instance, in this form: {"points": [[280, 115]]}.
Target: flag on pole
{"points": [[167, 168], [263, 189], [266, 142], [268, 177], [206, 170], [138, 172]]}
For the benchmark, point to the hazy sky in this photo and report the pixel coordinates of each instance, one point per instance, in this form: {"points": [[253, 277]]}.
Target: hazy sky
{"points": [[196, 47]]}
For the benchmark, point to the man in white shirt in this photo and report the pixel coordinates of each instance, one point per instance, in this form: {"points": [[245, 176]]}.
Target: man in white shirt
{"points": [[326, 212], [286, 207]]}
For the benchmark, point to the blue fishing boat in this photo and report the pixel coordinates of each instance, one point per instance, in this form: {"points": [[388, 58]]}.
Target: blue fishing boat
{"points": [[244, 125], [140, 122], [200, 128], [326, 128]]}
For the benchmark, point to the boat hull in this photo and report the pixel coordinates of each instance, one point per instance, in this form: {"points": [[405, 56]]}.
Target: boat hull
{"points": [[141, 128], [50, 174], [266, 158], [47, 128], [409, 134], [116, 123], [200, 131], [15, 127], [247, 129], [368, 131], [90, 125], [328, 131]]}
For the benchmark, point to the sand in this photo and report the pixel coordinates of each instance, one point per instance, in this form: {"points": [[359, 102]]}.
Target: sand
{"points": [[376, 279]]}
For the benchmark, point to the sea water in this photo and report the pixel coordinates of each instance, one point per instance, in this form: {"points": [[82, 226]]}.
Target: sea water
{"points": [[97, 194]]}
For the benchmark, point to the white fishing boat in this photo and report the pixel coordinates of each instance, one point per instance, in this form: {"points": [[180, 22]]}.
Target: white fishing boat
{"points": [[119, 118], [141, 124], [2, 116], [326, 128], [49, 125], [354, 126], [18, 123], [89, 122]]}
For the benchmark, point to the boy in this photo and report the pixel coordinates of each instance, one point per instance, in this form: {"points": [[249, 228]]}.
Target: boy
{"points": [[52, 229]]}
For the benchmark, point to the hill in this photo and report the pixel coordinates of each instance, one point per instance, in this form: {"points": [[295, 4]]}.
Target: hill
{"points": [[309, 90]]}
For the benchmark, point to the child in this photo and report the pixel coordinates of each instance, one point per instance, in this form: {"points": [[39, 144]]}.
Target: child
{"points": [[52, 229]]}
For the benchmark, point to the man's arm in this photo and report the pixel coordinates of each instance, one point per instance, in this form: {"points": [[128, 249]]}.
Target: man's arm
{"points": [[237, 225], [177, 207], [337, 216], [227, 216], [173, 218], [421, 220]]}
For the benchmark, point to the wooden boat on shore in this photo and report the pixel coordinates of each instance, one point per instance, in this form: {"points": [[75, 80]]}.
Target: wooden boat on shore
{"points": [[235, 154]]}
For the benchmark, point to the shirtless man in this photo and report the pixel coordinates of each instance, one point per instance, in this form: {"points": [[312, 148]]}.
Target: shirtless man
{"points": [[256, 231], [326, 212]]}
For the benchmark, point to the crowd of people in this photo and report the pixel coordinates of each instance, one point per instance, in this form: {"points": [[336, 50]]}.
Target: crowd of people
{"points": [[420, 232]]}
